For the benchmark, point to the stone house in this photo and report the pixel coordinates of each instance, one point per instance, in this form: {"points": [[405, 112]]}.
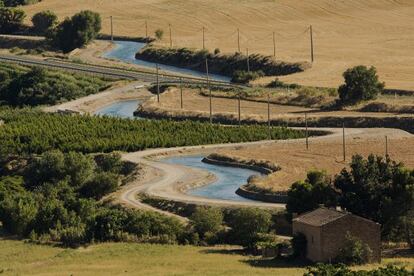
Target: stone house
{"points": [[325, 230]]}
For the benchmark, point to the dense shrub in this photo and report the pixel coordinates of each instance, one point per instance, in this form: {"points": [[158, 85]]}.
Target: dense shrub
{"points": [[219, 63], [361, 83], [304, 196], [247, 223], [343, 270], [39, 86], [207, 220], [245, 77], [354, 252], [30, 131], [11, 20], [77, 31], [276, 83], [44, 21], [15, 3], [101, 184]]}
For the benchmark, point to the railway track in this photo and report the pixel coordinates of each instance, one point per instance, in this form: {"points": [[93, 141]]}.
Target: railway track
{"points": [[112, 72]]}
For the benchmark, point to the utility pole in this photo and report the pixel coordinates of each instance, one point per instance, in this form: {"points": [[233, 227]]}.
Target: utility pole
{"points": [[268, 115], [386, 146], [311, 41], [209, 91], [274, 45], [204, 45], [239, 108], [343, 140], [169, 26], [158, 83], [306, 131], [112, 29], [238, 40], [181, 93], [146, 28], [248, 61]]}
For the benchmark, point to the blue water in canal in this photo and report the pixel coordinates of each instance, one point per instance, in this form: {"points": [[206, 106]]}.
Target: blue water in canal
{"points": [[123, 109], [229, 179], [125, 51]]}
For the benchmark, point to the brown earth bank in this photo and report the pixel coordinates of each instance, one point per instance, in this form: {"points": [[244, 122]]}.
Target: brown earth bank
{"points": [[323, 154], [225, 110], [346, 33]]}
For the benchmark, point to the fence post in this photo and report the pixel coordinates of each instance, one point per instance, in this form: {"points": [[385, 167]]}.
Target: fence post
{"points": [[158, 83], [239, 108], [306, 131], [268, 116]]}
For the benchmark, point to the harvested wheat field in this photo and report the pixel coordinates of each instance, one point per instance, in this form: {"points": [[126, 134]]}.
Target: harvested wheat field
{"points": [[325, 154], [346, 33]]}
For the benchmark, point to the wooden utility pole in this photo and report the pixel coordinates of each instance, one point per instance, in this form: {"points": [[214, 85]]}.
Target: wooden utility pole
{"points": [[158, 84], [343, 140], [204, 43], [386, 146], [181, 93], [239, 108], [268, 115], [146, 28], [238, 40], [248, 60], [112, 29], [169, 26], [209, 91], [306, 131], [311, 41], [274, 45]]}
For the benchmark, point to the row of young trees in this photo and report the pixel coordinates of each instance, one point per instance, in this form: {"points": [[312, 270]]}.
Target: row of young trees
{"points": [[375, 188], [71, 33], [31, 131], [22, 86]]}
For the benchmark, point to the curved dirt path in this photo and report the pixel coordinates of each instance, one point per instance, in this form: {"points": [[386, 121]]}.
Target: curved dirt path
{"points": [[165, 180]]}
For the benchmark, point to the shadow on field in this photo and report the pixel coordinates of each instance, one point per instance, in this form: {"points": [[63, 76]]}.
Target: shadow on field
{"points": [[278, 263], [228, 251]]}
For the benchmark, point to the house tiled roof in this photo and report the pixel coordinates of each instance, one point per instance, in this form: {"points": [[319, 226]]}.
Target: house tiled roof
{"points": [[320, 216]]}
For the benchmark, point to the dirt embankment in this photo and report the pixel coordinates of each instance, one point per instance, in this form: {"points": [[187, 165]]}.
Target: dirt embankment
{"points": [[225, 110]]}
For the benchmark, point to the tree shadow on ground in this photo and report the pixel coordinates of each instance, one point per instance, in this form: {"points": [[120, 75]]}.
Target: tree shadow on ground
{"points": [[278, 263], [227, 251]]}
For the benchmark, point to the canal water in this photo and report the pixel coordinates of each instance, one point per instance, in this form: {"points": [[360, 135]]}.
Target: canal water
{"points": [[122, 109], [125, 51], [229, 179]]}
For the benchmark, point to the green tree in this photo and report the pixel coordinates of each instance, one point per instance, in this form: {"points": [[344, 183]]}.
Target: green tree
{"points": [[100, 185], [11, 19], [207, 220], [361, 83], [44, 21], [77, 31], [79, 167], [304, 196], [247, 223], [377, 188]]}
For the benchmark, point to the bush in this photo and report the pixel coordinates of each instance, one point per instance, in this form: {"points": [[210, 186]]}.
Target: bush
{"points": [[159, 34], [354, 251], [44, 21], [246, 77], [299, 245], [77, 31], [207, 220], [276, 83], [361, 84], [246, 225], [343, 270], [11, 20], [101, 184]]}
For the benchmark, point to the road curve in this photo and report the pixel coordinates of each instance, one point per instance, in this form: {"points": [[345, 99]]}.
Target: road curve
{"points": [[171, 176]]}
